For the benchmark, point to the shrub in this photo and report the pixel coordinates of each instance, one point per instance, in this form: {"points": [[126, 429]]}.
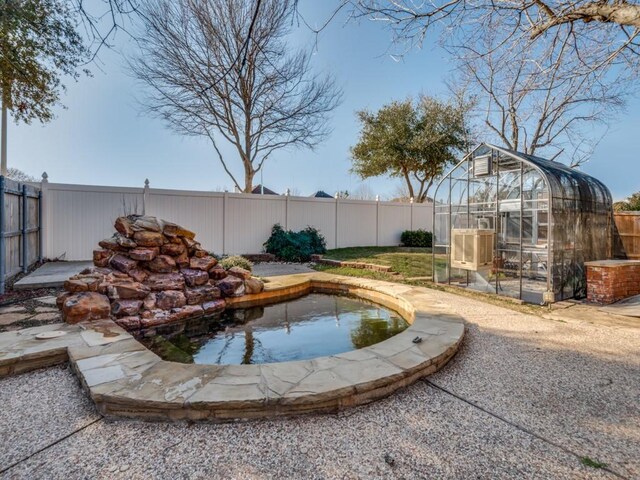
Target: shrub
{"points": [[295, 246], [236, 261], [416, 238]]}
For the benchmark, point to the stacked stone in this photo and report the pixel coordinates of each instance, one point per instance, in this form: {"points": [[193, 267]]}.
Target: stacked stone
{"points": [[150, 273]]}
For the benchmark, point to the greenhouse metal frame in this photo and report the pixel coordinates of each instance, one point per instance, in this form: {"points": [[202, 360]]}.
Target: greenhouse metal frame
{"points": [[518, 225]]}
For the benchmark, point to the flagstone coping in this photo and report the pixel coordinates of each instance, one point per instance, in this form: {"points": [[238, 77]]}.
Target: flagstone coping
{"points": [[125, 379]]}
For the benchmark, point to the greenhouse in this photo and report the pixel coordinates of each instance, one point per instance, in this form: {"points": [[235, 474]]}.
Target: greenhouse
{"points": [[518, 225]]}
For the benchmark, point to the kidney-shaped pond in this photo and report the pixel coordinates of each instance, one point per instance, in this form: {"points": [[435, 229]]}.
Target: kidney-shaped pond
{"points": [[315, 325]]}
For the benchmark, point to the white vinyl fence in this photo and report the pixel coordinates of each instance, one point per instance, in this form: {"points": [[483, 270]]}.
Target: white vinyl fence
{"points": [[77, 217]]}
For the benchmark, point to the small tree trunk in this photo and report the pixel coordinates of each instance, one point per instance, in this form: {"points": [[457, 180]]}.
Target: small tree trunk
{"points": [[409, 185], [248, 179]]}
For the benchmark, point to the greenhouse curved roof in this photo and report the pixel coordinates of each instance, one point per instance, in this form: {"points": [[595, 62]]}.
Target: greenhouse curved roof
{"points": [[563, 181]]}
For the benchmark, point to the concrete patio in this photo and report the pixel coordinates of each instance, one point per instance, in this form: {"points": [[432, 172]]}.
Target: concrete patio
{"points": [[51, 275], [524, 397]]}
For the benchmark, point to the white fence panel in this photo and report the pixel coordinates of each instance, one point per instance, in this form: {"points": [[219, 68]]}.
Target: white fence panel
{"points": [[357, 223], [77, 217], [422, 216], [393, 219], [200, 212], [319, 213], [249, 219]]}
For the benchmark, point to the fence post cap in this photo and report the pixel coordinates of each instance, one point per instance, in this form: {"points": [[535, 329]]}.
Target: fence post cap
{"points": [[411, 200], [377, 198], [45, 177], [146, 183]]}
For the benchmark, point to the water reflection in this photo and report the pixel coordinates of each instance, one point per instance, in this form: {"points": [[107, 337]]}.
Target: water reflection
{"points": [[312, 326]]}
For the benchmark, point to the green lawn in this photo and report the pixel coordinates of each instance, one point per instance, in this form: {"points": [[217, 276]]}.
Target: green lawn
{"points": [[408, 262], [411, 266]]}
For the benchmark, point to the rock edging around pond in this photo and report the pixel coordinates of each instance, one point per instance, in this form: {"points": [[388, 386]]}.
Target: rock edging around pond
{"points": [[149, 273]]}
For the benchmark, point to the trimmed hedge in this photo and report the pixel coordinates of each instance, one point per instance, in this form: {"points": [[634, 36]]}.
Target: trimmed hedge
{"points": [[416, 238], [295, 246]]}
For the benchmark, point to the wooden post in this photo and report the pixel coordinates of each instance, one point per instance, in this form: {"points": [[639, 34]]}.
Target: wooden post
{"points": [[2, 239], [25, 222], [40, 256], [43, 215]]}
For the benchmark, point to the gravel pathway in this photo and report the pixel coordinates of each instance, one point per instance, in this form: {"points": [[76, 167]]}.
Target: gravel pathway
{"points": [[524, 398]]}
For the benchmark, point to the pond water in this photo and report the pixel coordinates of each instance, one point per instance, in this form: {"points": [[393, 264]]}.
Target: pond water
{"points": [[312, 326]]}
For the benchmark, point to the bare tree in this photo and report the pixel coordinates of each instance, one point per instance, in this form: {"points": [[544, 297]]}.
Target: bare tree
{"points": [[609, 27], [400, 193], [363, 192], [222, 69], [20, 176], [536, 103]]}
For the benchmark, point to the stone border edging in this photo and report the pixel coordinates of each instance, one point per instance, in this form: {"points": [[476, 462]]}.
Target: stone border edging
{"points": [[127, 380], [350, 264]]}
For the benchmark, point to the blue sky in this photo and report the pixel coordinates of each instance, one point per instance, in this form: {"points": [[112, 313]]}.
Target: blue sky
{"points": [[102, 139]]}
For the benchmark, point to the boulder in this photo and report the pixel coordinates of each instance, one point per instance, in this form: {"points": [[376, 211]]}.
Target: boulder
{"points": [[124, 226], [146, 238], [165, 281], [205, 293], [82, 284], [129, 291], [199, 252], [161, 264], [182, 260], [231, 286], [144, 253], [188, 311], [138, 274], [217, 273], [125, 242], [145, 223], [204, 263], [150, 301], [253, 285], [61, 298], [125, 308], [84, 306], [153, 318], [173, 249], [190, 243], [170, 299], [122, 263], [194, 278], [214, 306], [129, 323], [101, 257], [173, 230], [111, 243], [239, 272]]}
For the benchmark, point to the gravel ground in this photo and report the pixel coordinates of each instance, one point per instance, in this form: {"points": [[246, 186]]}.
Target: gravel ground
{"points": [[524, 398]]}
